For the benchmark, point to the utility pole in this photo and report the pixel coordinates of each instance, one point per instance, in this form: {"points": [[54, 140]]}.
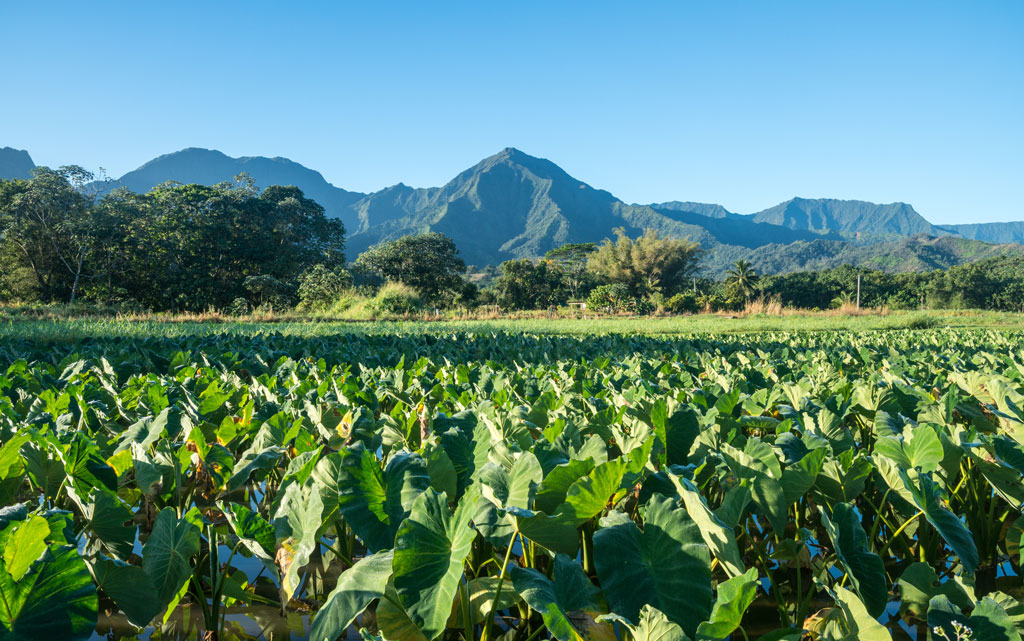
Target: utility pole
{"points": [[858, 291], [695, 287]]}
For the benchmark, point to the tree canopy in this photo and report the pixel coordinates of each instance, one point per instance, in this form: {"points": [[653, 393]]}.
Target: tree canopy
{"points": [[427, 262], [648, 264]]}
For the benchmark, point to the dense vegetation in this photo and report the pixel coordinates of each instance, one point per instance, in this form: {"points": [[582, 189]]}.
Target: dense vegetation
{"points": [[484, 486], [233, 247]]}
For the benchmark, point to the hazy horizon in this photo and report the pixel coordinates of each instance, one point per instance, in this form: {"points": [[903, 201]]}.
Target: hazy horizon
{"points": [[744, 105]]}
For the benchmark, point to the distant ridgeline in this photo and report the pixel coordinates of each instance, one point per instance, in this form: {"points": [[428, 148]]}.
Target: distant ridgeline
{"points": [[513, 205]]}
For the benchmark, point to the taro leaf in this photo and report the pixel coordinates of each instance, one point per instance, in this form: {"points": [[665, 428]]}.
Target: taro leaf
{"points": [[588, 496], [864, 567], [551, 492], [431, 546], [168, 552], [766, 491], [557, 600], [556, 533], [923, 451], [720, 538], [254, 464], [799, 478], [843, 478], [130, 588], [667, 565], [989, 621], [373, 501], [859, 624], [358, 586], [107, 518], [734, 597], [56, 599], [919, 583], [949, 526], [675, 433], [86, 467], [515, 487], [392, 619], [24, 545], [148, 430], [297, 523], [440, 469], [12, 468], [653, 625], [254, 532], [481, 600]]}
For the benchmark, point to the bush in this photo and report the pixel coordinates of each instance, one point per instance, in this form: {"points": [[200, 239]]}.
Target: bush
{"points": [[320, 286], [396, 299], [265, 290], [238, 307], [610, 298], [685, 303]]}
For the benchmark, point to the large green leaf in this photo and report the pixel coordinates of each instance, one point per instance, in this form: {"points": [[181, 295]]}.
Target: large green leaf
{"points": [[431, 546], [55, 599], [988, 621], [733, 599], [296, 526], [765, 490], [652, 625], [667, 565], [720, 539], [373, 501], [356, 589], [109, 522], [952, 530], [919, 583], [168, 553], [856, 623], [864, 567], [25, 543], [558, 600], [130, 588]]}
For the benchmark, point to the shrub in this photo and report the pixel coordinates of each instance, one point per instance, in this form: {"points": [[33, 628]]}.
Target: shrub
{"points": [[610, 298], [684, 303], [320, 286], [396, 299]]}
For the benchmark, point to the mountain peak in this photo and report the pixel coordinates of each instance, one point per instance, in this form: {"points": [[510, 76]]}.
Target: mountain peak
{"points": [[15, 164]]}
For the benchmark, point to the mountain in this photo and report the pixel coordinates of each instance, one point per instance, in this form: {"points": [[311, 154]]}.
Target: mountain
{"points": [[15, 163], [513, 205], [208, 167], [851, 217], [704, 209], [910, 254], [510, 205], [990, 232]]}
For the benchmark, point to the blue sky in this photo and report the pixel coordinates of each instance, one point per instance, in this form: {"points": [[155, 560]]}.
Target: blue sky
{"points": [[743, 104]]}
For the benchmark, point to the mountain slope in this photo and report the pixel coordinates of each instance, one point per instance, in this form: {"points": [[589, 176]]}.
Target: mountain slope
{"points": [[848, 216], [1012, 232], [509, 205], [910, 254], [704, 209], [209, 167], [15, 164]]}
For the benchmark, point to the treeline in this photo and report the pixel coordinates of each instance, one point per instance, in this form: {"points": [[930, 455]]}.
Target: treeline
{"points": [[177, 247], [234, 247]]}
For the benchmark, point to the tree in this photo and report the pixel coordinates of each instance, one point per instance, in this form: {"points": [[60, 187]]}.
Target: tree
{"points": [[646, 265], [48, 220], [428, 262], [572, 260], [742, 277], [524, 284], [320, 286]]}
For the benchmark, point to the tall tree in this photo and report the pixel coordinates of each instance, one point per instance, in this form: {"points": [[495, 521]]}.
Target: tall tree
{"points": [[743, 278], [648, 264], [572, 260], [525, 284], [427, 262], [48, 220]]}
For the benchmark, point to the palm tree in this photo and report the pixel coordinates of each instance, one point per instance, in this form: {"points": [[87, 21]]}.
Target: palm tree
{"points": [[743, 277]]}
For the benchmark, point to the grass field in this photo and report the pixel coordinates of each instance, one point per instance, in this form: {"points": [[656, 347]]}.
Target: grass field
{"points": [[80, 329]]}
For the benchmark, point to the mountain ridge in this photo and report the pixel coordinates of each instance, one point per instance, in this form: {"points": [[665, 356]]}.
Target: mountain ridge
{"points": [[514, 205]]}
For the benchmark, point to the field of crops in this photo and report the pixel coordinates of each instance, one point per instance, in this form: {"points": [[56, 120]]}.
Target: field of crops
{"points": [[515, 486]]}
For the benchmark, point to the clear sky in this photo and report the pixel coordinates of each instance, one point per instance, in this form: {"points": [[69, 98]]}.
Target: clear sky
{"points": [[742, 104]]}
